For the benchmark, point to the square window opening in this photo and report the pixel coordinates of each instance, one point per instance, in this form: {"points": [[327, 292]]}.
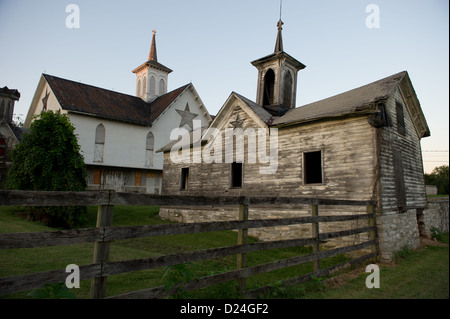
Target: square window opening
{"points": [[313, 167], [184, 178], [236, 175]]}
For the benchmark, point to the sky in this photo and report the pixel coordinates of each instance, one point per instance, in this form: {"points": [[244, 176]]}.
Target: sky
{"points": [[344, 45]]}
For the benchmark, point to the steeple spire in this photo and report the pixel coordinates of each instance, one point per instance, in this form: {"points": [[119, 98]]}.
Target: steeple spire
{"points": [[152, 56], [279, 42], [151, 76]]}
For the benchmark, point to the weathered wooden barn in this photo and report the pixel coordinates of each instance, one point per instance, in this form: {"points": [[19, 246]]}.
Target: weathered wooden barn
{"points": [[363, 144]]}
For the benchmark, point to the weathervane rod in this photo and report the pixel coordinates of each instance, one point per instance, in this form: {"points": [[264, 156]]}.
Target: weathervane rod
{"points": [[281, 5]]}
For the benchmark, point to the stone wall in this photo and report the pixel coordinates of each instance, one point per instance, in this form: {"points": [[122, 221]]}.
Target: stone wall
{"points": [[435, 215], [395, 231], [209, 214]]}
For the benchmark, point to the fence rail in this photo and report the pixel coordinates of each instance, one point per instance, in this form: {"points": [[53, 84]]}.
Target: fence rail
{"points": [[104, 233]]}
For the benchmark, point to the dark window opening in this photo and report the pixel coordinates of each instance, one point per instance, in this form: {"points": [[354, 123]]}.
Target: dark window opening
{"points": [[2, 146], [184, 178], [269, 87], [400, 118], [236, 175], [312, 167]]}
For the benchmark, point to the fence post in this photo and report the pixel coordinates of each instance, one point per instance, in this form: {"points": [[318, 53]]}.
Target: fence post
{"points": [[101, 250], [370, 211], [242, 240], [315, 235]]}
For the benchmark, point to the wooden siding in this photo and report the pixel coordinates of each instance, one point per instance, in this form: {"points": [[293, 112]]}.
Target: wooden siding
{"points": [[408, 145], [348, 153]]}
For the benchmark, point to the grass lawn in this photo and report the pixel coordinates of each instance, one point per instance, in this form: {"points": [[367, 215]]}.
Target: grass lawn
{"points": [[418, 274]]}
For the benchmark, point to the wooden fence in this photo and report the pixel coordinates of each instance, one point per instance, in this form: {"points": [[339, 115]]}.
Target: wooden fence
{"points": [[104, 233]]}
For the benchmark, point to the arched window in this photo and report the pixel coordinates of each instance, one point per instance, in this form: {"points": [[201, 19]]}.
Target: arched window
{"points": [[269, 87], [144, 86], [138, 88], [162, 87], [99, 143], [287, 89], [100, 134], [152, 86], [149, 146]]}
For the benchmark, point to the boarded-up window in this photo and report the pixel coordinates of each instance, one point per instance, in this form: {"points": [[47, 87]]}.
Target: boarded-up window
{"points": [[236, 174], [400, 118], [137, 178], [144, 86], [149, 146], [399, 180], [184, 178], [138, 88], [97, 176], [162, 87], [152, 86], [287, 90], [99, 143], [312, 167]]}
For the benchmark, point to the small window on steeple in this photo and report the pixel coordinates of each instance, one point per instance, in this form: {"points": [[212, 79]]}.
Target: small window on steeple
{"points": [[287, 89], [144, 86], [138, 88], [269, 87], [152, 86], [162, 87]]}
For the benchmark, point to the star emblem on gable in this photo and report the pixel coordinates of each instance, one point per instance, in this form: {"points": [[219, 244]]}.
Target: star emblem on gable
{"points": [[186, 117], [44, 101], [237, 122]]}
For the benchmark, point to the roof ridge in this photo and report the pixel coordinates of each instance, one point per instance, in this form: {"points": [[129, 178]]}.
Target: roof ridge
{"points": [[354, 100], [90, 85], [358, 88]]}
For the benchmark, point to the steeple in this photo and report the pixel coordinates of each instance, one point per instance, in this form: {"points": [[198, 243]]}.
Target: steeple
{"points": [[152, 55], [277, 76], [151, 76]]}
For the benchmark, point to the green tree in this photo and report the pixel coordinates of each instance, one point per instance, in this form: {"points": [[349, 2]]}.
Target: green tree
{"points": [[439, 177], [48, 158]]}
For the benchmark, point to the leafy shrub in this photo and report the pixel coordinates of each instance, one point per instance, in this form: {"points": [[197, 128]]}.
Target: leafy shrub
{"points": [[48, 159]]}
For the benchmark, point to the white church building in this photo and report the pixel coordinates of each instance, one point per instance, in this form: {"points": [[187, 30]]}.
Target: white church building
{"points": [[118, 133]]}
